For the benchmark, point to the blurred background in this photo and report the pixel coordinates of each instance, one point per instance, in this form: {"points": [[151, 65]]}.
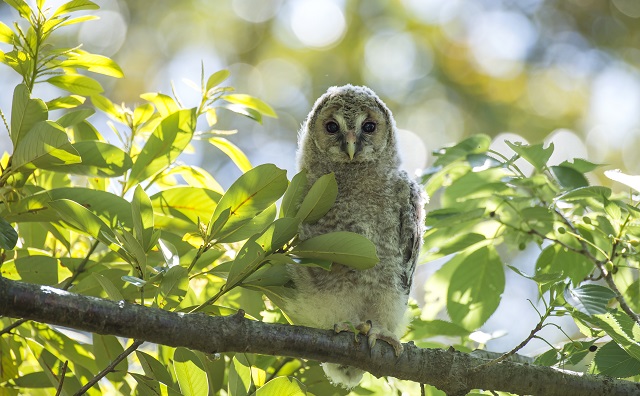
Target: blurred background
{"points": [[531, 70]]}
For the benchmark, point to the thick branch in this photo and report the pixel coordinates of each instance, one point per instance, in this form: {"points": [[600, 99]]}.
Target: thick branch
{"points": [[449, 370]]}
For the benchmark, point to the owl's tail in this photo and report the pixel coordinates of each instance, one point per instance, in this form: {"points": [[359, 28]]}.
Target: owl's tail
{"points": [[340, 374]]}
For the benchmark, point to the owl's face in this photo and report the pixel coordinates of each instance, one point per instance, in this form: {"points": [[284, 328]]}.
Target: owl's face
{"points": [[350, 124]]}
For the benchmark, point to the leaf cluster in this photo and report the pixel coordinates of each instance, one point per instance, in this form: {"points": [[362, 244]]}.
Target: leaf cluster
{"points": [[129, 221], [585, 238]]}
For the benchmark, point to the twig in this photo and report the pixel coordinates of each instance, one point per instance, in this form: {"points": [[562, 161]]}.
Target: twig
{"points": [[601, 266], [110, 367], [63, 371]]}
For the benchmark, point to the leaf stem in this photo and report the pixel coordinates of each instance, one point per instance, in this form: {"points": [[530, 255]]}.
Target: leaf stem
{"points": [[110, 367]]}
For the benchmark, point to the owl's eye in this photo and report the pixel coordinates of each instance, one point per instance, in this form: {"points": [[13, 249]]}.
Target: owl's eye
{"points": [[369, 127], [332, 127]]}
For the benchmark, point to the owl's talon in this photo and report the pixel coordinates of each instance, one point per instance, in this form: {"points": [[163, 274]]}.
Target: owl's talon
{"points": [[385, 335]]}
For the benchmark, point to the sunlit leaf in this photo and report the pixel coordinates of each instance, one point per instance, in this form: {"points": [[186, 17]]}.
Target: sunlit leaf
{"points": [[597, 192], [164, 145], [249, 258], [569, 178], [251, 103], [25, 113], [77, 84], [164, 103], [189, 372], [282, 386], [239, 378], [21, 6], [476, 288], [252, 193], [232, 151], [153, 368], [98, 159], [46, 145], [347, 248], [536, 154], [82, 219], [6, 34], [477, 143], [93, 63], [74, 117], [245, 111], [65, 102], [75, 5], [216, 78]]}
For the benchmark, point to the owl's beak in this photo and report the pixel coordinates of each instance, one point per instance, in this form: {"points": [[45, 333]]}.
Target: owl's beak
{"points": [[351, 144]]}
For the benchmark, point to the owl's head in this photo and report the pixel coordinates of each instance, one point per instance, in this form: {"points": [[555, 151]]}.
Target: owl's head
{"points": [[349, 124]]}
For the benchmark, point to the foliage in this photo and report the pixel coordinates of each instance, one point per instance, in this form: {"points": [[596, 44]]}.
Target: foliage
{"points": [[113, 220]]}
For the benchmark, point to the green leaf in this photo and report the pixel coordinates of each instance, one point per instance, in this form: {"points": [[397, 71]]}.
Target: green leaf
{"points": [[614, 361], [45, 146], [597, 192], [293, 195], [112, 291], [278, 233], [153, 368], [239, 378], [319, 199], [249, 195], [449, 216], [255, 225], [93, 63], [589, 299], [472, 145], [180, 207], [233, 152], [25, 113], [142, 215], [38, 269], [98, 159], [535, 154], [6, 34], [251, 103], [282, 386], [569, 178], [21, 6], [347, 248], [149, 387], [173, 288], [581, 165], [75, 5], [65, 102], [248, 260], [422, 329], [137, 282], [164, 145], [324, 264], [74, 117], [105, 105], [555, 259], [109, 207], [106, 348], [476, 288], [446, 241], [77, 84], [612, 327], [189, 372], [164, 104], [216, 78], [8, 235], [82, 219], [245, 111]]}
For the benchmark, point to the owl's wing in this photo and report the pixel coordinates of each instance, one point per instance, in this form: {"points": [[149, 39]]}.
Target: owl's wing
{"points": [[411, 231]]}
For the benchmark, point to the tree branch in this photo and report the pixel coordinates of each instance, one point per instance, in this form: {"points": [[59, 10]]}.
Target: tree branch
{"points": [[448, 370]]}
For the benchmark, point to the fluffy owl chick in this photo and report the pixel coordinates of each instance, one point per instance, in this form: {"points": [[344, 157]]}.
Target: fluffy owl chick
{"points": [[352, 133]]}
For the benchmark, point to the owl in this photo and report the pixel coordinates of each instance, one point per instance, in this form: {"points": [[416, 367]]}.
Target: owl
{"points": [[352, 133]]}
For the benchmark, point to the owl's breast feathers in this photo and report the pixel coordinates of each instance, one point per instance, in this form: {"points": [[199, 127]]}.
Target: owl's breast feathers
{"points": [[385, 208]]}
